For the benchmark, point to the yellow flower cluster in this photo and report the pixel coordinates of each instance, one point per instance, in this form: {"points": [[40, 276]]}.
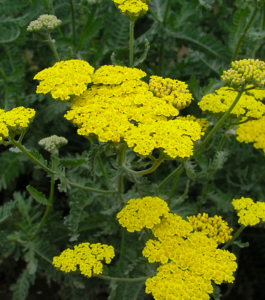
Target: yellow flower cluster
{"points": [[65, 79], [189, 257], [84, 257], [15, 121], [174, 137], [214, 227], [219, 102], [173, 91], [203, 122], [244, 72], [120, 107], [249, 212], [140, 213], [257, 93], [132, 9], [252, 132], [190, 261]]}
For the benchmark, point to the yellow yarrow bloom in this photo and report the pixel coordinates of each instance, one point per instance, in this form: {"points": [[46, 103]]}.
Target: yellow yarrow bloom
{"points": [[257, 93], [174, 137], [252, 132], [214, 227], [249, 212], [15, 121], [219, 102], [203, 122], [140, 213], [84, 257], [173, 91], [132, 9], [244, 72], [65, 79]]}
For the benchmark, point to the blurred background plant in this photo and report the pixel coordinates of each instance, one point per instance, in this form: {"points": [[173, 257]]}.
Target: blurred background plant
{"points": [[192, 41]]}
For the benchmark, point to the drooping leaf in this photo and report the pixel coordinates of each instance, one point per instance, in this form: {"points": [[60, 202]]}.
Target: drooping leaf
{"points": [[36, 195]]}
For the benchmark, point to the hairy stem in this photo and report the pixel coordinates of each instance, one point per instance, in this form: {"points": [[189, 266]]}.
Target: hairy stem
{"points": [[121, 151], [48, 206], [31, 157], [240, 41], [234, 237], [155, 165], [121, 279], [131, 43], [73, 21], [51, 44], [89, 189]]}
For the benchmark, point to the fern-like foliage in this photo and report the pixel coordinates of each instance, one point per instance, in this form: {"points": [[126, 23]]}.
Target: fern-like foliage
{"points": [[21, 287], [238, 26]]}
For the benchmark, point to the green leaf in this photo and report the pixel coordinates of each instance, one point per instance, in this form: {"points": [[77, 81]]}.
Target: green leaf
{"points": [[32, 262], [144, 55], [11, 167], [21, 287], [36, 195], [10, 31], [130, 291], [158, 6], [190, 169], [6, 210], [241, 245], [116, 62], [75, 216], [237, 28], [216, 292], [219, 159]]}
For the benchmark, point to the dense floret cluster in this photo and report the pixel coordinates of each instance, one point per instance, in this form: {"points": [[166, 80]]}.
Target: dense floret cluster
{"points": [[252, 132], [244, 72], [48, 22], [15, 121], [120, 107], [65, 79], [214, 227], [84, 257], [173, 91], [249, 212], [219, 102], [132, 9], [141, 213], [53, 143]]}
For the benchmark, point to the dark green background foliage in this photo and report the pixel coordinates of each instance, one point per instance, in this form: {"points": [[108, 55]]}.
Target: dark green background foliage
{"points": [[197, 42]]}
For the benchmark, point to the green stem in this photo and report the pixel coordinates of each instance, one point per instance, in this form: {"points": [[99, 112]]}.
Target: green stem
{"points": [[180, 168], [240, 41], [86, 26], [73, 20], [131, 43], [155, 165], [147, 233], [121, 151], [2, 73], [31, 157], [234, 237], [175, 183], [117, 271], [89, 189], [49, 204], [166, 12], [263, 17], [51, 44], [121, 279], [219, 123]]}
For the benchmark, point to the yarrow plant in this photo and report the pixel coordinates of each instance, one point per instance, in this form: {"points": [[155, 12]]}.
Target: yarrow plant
{"points": [[130, 215]]}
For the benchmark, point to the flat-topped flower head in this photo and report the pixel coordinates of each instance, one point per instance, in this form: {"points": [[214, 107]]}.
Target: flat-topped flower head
{"points": [[249, 212], [189, 258], [252, 132], [203, 122], [115, 75], [85, 257], [174, 91], [214, 227], [219, 102], [65, 79], [15, 121], [44, 22], [140, 213], [244, 72], [132, 9], [53, 143]]}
